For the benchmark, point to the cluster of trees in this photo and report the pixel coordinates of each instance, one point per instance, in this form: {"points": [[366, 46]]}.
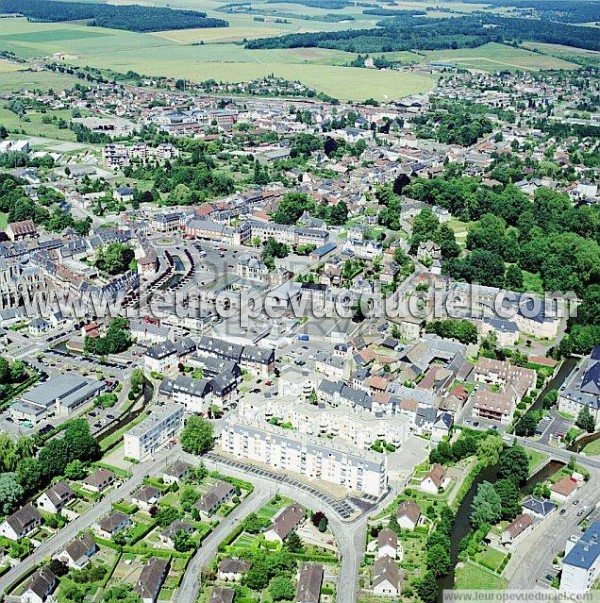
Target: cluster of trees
{"points": [[189, 180], [27, 474], [438, 556], [11, 373], [130, 17], [462, 330], [266, 569], [197, 436], [273, 249], [585, 420], [584, 329], [411, 32], [19, 207], [117, 339], [427, 227], [445, 453], [114, 258], [293, 205], [453, 122]]}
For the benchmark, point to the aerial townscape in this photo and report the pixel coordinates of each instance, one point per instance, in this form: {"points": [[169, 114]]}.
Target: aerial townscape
{"points": [[299, 301]]}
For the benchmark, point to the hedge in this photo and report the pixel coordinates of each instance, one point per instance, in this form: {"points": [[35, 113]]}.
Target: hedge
{"points": [[231, 538]]}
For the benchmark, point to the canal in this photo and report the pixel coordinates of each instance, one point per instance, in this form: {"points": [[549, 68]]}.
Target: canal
{"points": [[565, 370]]}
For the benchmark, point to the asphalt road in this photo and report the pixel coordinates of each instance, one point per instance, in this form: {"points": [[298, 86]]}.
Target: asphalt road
{"points": [[190, 585], [92, 515]]}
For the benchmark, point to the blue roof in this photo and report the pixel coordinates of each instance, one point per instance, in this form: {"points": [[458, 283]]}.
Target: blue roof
{"points": [[587, 549], [324, 249]]}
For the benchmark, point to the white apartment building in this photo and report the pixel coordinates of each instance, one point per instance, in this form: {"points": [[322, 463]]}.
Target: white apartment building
{"points": [[297, 383], [311, 457], [153, 431], [581, 564]]}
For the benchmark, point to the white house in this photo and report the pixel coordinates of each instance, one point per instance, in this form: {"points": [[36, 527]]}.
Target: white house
{"points": [[386, 577], [21, 523], [56, 498], [435, 480], [77, 553]]}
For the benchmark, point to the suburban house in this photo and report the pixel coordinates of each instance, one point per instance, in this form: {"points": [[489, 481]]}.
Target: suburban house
{"points": [[112, 524], [169, 532], [285, 522], [310, 580], [151, 579], [99, 480], [17, 231], [517, 530], [78, 552], [408, 514], [146, 497], [40, 586], [176, 472], [387, 544], [233, 570], [21, 523], [221, 595], [210, 502], [435, 480], [56, 498], [538, 507], [562, 490], [386, 577]]}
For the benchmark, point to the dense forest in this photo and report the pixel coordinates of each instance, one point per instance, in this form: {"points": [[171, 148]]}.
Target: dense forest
{"points": [[130, 17], [574, 11], [410, 32]]}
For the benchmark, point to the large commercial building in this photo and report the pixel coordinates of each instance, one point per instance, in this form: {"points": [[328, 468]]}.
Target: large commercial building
{"points": [[64, 395], [153, 431], [309, 456], [581, 565]]}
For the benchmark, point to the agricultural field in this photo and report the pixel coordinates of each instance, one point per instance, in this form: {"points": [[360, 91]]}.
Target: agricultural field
{"points": [[492, 57], [33, 125], [567, 53]]}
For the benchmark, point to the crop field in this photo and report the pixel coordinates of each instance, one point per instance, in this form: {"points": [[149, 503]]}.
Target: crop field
{"points": [[567, 53], [8, 66], [492, 57]]}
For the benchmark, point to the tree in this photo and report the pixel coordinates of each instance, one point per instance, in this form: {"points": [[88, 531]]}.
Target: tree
{"points": [[526, 425], [323, 525], [513, 279], [438, 560], [254, 524], [75, 470], [182, 542], [585, 420], [427, 588], [292, 206], [58, 567], [120, 593], [188, 495], [488, 450], [514, 465], [316, 517], [166, 515], [486, 506], [11, 492], [509, 498], [293, 543], [197, 436], [281, 588]]}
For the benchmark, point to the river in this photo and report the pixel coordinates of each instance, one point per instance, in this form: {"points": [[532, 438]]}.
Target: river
{"points": [[565, 370]]}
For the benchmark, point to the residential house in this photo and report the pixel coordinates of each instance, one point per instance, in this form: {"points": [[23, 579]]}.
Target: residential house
{"points": [[517, 530], [146, 497], [151, 579], [386, 577], [176, 472], [310, 581], [21, 523], [169, 532], [387, 544], [210, 502], [285, 522], [538, 507], [408, 514], [111, 524], [57, 497], [99, 480], [222, 595], [40, 586], [233, 570], [562, 490], [435, 480], [78, 552]]}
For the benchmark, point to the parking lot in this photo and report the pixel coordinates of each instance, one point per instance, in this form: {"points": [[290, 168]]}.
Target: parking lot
{"points": [[343, 507]]}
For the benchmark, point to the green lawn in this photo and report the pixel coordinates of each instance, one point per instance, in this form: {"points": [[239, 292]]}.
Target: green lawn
{"points": [[491, 558], [536, 459], [593, 448], [3, 220], [472, 577]]}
